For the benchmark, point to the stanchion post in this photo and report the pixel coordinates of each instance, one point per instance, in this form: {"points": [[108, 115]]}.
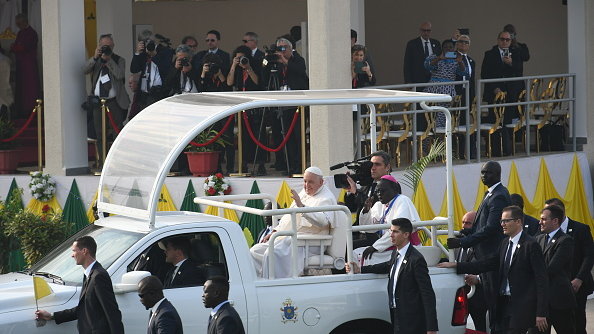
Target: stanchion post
{"points": [[38, 109], [103, 132], [239, 147], [303, 141]]}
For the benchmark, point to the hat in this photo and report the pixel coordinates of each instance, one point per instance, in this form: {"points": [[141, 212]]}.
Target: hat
{"points": [[389, 178], [314, 170]]}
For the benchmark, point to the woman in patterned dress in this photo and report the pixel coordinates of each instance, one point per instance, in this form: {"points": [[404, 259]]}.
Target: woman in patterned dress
{"points": [[444, 69]]}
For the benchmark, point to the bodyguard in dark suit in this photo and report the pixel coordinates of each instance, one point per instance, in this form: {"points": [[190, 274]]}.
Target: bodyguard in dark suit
{"points": [[223, 317], [416, 51], [581, 266], [557, 248], [531, 224], [486, 233], [410, 294], [521, 278], [185, 272], [163, 317], [97, 310]]}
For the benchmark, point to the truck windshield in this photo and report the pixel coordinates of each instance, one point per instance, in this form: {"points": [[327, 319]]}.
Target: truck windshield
{"points": [[111, 243]]}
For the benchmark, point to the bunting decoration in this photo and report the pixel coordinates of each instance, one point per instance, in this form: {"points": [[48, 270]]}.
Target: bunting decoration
{"points": [[165, 201], [284, 198], [514, 186], [74, 209], [188, 202], [253, 223], [91, 209]]}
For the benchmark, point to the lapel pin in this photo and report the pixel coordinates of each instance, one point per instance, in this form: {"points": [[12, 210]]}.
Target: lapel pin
{"points": [[404, 261], [570, 230], [553, 240], [518, 246]]}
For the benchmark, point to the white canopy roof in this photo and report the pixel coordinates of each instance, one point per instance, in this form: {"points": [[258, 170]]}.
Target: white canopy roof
{"points": [[147, 146]]}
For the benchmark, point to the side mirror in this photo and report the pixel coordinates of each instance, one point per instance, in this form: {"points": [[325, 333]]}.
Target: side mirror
{"points": [[130, 282]]}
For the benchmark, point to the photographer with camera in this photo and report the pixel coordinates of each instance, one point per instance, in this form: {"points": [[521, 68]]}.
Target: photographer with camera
{"points": [[360, 70], [355, 199], [183, 78], [284, 69], [152, 68], [245, 75], [107, 71]]}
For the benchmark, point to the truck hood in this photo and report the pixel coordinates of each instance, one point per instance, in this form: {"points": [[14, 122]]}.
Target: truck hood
{"points": [[17, 293]]}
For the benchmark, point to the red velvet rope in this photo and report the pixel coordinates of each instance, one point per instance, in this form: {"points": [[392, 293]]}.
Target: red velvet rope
{"points": [[21, 130], [113, 125], [193, 143], [262, 146]]}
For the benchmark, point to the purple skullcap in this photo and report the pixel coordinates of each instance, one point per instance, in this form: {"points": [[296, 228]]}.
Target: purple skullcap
{"points": [[389, 178]]}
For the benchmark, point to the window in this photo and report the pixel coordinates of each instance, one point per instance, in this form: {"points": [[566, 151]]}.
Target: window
{"points": [[205, 258]]}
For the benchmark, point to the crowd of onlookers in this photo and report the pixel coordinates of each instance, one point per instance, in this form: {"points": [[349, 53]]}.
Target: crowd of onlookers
{"points": [[159, 69]]}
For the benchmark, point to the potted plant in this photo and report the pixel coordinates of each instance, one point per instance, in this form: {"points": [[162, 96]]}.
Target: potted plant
{"points": [[203, 160], [9, 157]]}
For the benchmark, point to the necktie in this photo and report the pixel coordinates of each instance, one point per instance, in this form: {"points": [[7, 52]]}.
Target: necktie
{"points": [[506, 266], [467, 63], [426, 49], [173, 273], [392, 281], [547, 237], [104, 87]]}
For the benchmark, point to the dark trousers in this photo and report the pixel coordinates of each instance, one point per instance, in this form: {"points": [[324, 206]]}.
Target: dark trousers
{"points": [[580, 312], [502, 318], [117, 114], [228, 150], [477, 307], [562, 320]]}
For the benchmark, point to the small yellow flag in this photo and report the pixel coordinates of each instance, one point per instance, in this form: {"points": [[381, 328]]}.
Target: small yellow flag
{"points": [[41, 288]]}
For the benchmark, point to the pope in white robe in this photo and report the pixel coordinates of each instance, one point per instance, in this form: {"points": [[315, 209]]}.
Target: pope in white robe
{"points": [[314, 193], [386, 209]]}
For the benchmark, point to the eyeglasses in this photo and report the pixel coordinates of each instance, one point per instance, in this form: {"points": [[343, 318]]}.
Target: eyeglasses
{"points": [[247, 40], [462, 42], [505, 39], [426, 30], [505, 221], [210, 40]]}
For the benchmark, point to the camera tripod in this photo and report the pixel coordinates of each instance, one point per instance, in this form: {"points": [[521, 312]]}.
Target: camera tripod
{"points": [[273, 85]]}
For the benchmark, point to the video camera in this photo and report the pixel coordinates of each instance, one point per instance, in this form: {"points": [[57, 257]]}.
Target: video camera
{"points": [[362, 172], [184, 62], [163, 40], [270, 57]]}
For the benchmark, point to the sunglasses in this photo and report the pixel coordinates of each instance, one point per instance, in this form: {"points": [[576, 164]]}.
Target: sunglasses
{"points": [[505, 221], [426, 30], [193, 46], [210, 40], [505, 39], [141, 295], [247, 40]]}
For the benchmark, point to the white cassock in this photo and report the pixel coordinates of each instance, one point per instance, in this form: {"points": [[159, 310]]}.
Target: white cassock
{"points": [[307, 223], [402, 207]]}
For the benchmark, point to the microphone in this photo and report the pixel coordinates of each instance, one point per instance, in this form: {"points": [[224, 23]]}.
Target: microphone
{"points": [[340, 165]]}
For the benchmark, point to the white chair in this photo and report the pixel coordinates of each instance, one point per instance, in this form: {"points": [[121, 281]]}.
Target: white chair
{"points": [[332, 247]]}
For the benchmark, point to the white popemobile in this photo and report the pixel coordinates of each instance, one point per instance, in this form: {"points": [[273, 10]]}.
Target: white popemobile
{"points": [[129, 189]]}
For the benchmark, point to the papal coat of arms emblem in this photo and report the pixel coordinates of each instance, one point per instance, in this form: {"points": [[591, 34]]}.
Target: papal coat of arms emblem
{"points": [[289, 312]]}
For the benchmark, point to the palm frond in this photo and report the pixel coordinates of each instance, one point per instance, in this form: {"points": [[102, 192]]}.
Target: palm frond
{"points": [[413, 173]]}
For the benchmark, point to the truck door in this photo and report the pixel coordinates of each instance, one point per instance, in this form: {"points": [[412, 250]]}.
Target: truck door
{"points": [[206, 256]]}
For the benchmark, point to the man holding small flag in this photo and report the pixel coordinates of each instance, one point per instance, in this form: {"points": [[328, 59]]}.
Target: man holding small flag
{"points": [[97, 310]]}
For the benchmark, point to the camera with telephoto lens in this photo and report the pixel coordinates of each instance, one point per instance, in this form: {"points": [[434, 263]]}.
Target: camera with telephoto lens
{"points": [[184, 62], [244, 60], [149, 45], [106, 50], [361, 175]]}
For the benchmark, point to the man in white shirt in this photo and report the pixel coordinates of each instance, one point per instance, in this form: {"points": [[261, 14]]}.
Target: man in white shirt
{"points": [[314, 193]]}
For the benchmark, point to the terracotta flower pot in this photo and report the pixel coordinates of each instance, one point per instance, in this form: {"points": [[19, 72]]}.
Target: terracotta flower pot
{"points": [[9, 159], [202, 163]]}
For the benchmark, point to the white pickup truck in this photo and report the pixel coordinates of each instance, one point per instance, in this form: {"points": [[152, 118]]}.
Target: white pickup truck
{"points": [[128, 241]]}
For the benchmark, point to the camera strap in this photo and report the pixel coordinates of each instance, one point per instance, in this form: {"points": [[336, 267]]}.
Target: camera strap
{"points": [[386, 211]]}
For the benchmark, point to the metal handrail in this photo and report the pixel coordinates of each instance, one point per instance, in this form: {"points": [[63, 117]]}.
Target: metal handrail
{"points": [[527, 79], [466, 108]]}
